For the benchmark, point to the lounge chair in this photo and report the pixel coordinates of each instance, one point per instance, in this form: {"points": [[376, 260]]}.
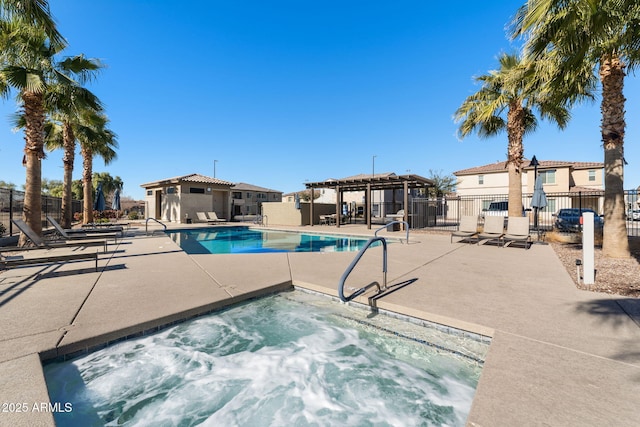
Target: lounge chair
{"points": [[493, 229], [517, 231], [468, 228], [70, 234], [39, 242], [202, 217], [213, 217], [49, 258]]}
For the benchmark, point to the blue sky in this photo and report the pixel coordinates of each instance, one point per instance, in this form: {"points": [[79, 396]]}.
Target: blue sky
{"points": [[286, 91]]}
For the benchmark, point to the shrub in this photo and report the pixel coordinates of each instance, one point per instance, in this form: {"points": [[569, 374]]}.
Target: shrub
{"points": [[3, 229]]}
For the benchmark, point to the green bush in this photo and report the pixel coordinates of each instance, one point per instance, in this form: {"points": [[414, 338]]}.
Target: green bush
{"points": [[133, 215]]}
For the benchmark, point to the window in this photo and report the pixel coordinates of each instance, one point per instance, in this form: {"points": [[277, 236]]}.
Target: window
{"points": [[480, 179], [171, 190], [548, 177], [149, 192], [592, 175], [237, 195], [196, 190], [248, 195]]}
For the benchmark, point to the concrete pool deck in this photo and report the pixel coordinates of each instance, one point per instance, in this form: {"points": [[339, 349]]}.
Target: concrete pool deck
{"points": [[559, 356]]}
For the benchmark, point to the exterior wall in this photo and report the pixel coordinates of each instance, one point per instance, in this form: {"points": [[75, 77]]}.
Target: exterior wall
{"points": [[581, 178], [282, 213], [248, 202], [498, 183], [287, 214], [494, 183], [178, 204]]}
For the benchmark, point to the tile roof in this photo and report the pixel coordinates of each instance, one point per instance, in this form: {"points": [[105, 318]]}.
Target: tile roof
{"points": [[249, 187], [543, 164], [194, 177]]}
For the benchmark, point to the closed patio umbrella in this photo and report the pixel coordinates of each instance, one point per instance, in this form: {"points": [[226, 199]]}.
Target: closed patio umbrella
{"points": [[538, 201], [115, 203], [100, 203]]}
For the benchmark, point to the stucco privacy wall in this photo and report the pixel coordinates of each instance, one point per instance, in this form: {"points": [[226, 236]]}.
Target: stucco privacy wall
{"points": [[286, 213]]}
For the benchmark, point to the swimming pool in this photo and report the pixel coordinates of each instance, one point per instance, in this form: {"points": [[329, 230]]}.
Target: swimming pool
{"points": [[288, 359], [243, 239]]}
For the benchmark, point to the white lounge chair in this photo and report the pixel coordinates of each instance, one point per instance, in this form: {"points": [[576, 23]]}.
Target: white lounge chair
{"points": [[517, 231], [213, 217], [468, 228], [493, 230]]}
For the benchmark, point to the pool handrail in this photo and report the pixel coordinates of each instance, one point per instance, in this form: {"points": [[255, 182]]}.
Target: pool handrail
{"points": [[406, 227], [146, 224], [351, 266]]}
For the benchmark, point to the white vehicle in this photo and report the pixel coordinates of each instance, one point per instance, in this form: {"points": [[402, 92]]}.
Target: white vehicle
{"points": [[496, 209]]}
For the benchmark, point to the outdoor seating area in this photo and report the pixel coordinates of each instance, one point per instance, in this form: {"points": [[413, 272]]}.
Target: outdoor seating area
{"points": [[63, 242], [518, 230], [209, 217]]}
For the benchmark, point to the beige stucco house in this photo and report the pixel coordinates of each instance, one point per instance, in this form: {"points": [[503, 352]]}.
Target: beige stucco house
{"points": [[178, 199], [247, 199], [567, 184]]}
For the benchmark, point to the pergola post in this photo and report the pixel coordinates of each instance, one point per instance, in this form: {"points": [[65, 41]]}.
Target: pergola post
{"points": [[368, 205], [311, 208], [338, 205], [405, 189]]}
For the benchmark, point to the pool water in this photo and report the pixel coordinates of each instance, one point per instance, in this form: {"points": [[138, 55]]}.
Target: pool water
{"points": [[290, 359], [236, 240]]}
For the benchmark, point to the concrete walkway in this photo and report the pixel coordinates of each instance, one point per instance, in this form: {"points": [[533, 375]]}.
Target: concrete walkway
{"points": [[559, 356]]}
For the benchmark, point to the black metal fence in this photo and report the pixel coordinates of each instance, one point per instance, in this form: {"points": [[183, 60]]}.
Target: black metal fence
{"points": [[12, 203], [445, 213]]}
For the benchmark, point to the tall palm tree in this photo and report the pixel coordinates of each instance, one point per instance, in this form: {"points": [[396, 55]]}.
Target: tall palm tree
{"points": [[603, 37], [28, 64], [95, 140], [67, 105], [506, 101]]}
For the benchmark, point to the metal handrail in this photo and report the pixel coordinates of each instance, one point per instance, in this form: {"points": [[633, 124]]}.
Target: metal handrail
{"points": [[146, 224], [406, 227], [353, 264]]}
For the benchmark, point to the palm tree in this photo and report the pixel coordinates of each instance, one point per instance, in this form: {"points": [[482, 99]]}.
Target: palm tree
{"points": [[34, 12], [95, 139], [514, 91], [67, 105], [26, 59], [28, 64], [603, 37]]}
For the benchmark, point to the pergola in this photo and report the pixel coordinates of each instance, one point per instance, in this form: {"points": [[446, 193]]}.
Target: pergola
{"points": [[368, 184]]}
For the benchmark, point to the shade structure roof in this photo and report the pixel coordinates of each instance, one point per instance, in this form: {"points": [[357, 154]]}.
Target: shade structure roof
{"points": [[376, 182]]}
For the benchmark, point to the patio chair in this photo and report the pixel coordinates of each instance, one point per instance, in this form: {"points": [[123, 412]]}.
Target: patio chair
{"points": [[213, 217], [468, 228], [70, 234], [517, 231], [202, 217], [493, 230], [49, 244], [49, 258]]}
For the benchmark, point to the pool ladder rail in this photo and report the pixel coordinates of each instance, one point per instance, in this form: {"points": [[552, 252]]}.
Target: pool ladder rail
{"points": [[345, 275], [146, 225]]}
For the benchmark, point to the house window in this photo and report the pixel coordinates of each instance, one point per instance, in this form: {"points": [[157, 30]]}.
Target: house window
{"points": [[237, 195], [171, 190], [592, 175], [196, 190], [480, 179], [149, 192], [248, 195], [548, 177]]}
